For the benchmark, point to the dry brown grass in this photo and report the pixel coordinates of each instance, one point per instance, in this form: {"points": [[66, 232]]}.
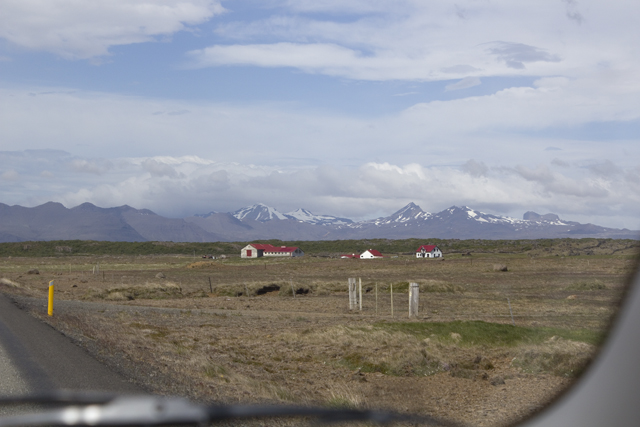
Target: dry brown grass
{"points": [[7, 282], [131, 292], [246, 337]]}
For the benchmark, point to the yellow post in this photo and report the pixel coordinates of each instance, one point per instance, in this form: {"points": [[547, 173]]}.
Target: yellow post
{"points": [[50, 307]]}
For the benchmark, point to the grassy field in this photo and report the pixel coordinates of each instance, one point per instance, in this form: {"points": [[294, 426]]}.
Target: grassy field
{"points": [[324, 248], [487, 346]]}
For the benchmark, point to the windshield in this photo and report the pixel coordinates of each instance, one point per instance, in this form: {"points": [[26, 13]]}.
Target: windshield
{"points": [[422, 207]]}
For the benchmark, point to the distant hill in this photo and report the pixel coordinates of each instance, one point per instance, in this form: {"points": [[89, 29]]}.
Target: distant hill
{"points": [[52, 221]]}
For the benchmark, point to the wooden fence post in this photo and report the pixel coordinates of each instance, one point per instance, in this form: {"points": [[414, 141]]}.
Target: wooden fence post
{"points": [[511, 312], [376, 298], [352, 293], [392, 300], [360, 292], [414, 295]]}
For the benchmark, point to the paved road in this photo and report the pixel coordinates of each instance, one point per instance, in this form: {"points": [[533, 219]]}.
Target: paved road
{"points": [[34, 358]]}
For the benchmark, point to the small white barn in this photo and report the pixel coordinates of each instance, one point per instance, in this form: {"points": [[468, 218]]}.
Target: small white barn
{"points": [[428, 251], [370, 254]]}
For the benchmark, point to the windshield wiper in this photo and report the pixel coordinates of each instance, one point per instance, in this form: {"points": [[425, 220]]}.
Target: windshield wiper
{"points": [[99, 409]]}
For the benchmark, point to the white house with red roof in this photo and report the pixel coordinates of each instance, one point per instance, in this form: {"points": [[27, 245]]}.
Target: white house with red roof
{"points": [[257, 250], [428, 251], [370, 254]]}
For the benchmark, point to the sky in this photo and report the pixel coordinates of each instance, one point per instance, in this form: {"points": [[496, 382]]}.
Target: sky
{"points": [[350, 108]]}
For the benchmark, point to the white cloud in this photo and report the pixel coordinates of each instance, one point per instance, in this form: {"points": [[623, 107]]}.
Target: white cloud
{"points": [[604, 168], [475, 168], [195, 185], [10, 175], [279, 134], [552, 103], [515, 55], [549, 184], [349, 7], [90, 166], [372, 189], [573, 12], [465, 83], [460, 69], [159, 169], [433, 40], [318, 57], [84, 29]]}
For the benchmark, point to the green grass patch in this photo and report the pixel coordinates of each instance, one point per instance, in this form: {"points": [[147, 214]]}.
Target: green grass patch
{"points": [[355, 361], [423, 365], [595, 285], [139, 325], [489, 334], [159, 334]]}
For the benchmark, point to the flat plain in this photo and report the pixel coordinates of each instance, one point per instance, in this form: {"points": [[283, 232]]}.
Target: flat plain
{"points": [[488, 347]]}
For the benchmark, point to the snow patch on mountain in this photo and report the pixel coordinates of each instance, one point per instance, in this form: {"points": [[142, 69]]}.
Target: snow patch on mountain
{"points": [[409, 214], [411, 221], [303, 215], [207, 215], [258, 212]]}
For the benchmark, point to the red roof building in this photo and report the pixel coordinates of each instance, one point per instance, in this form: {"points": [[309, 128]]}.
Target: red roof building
{"points": [[257, 250], [370, 254], [428, 251]]}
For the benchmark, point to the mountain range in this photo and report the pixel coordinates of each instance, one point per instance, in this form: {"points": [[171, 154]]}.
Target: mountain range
{"points": [[53, 221]]}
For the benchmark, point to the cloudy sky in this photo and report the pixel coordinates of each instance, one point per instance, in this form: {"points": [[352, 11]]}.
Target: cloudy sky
{"points": [[344, 107]]}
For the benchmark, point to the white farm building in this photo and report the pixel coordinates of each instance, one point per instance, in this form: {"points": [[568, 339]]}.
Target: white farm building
{"points": [[257, 250], [428, 251], [371, 254]]}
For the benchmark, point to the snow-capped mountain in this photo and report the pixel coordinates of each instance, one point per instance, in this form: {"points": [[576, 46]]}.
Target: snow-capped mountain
{"points": [[466, 213], [467, 223], [52, 221], [303, 215], [258, 212], [263, 213], [207, 215], [458, 222], [410, 213]]}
